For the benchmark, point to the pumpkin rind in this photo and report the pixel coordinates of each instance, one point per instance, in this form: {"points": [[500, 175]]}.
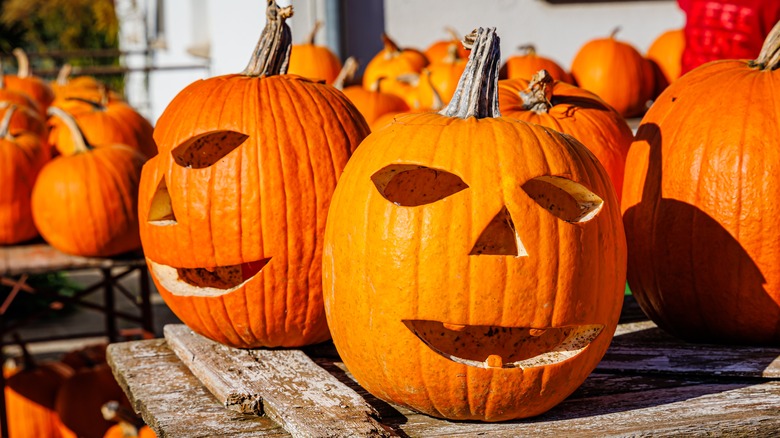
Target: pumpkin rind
{"points": [[699, 205]]}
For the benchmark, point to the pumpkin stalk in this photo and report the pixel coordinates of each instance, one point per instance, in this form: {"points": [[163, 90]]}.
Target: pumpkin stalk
{"points": [[313, 33], [391, 48], [5, 124], [347, 73], [527, 49], [272, 52], [64, 74], [452, 33], [80, 143], [438, 103], [769, 57], [537, 97], [23, 63], [477, 91], [614, 33]]}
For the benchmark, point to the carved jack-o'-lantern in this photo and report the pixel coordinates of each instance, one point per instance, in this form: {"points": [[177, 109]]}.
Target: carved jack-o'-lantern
{"points": [[233, 207], [474, 265]]}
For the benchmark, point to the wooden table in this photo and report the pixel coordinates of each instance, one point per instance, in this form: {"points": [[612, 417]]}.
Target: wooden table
{"points": [[19, 262], [647, 384]]}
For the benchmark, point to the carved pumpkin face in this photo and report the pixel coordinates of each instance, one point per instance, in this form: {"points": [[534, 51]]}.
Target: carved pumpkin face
{"points": [[473, 269], [233, 208]]}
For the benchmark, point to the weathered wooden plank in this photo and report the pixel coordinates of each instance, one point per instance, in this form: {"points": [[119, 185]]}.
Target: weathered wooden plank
{"points": [[41, 257], [172, 401], [642, 347], [285, 384]]}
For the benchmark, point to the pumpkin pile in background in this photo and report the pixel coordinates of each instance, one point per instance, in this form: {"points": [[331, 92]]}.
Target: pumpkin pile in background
{"points": [[65, 398], [71, 153]]}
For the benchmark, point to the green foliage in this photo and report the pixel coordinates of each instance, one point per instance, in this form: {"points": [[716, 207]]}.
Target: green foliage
{"points": [[61, 25], [26, 304]]}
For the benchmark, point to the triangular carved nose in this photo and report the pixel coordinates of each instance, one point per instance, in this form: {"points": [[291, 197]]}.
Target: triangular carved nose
{"points": [[500, 238], [161, 208]]}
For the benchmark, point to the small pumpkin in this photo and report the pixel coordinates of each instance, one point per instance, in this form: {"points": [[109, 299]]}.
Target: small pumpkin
{"points": [[616, 72], [666, 51], [233, 208], [81, 87], [24, 81], [699, 204], [391, 62], [528, 62], [372, 103], [23, 152], [474, 265], [85, 203], [574, 111], [441, 50], [313, 61], [440, 79]]}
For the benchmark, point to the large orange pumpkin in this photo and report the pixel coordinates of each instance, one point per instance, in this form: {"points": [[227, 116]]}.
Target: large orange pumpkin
{"points": [[570, 110], [85, 203], [233, 208], [313, 61], [474, 265], [700, 203], [616, 72], [22, 154]]}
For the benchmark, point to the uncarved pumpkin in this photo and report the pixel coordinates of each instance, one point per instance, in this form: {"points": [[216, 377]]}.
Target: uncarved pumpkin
{"points": [[313, 61], [700, 203], [441, 50], [666, 52], [574, 111], [24, 81], [85, 203], [616, 72], [373, 103], [233, 208], [528, 62], [391, 62], [474, 265]]}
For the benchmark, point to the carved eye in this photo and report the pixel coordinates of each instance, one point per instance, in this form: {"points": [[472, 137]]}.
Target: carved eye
{"points": [[206, 149], [411, 185], [564, 198]]}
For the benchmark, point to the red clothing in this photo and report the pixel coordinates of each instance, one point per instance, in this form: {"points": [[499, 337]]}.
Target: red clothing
{"points": [[726, 29]]}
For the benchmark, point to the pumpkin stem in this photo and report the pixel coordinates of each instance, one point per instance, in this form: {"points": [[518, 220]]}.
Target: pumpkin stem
{"points": [[313, 33], [23, 62], [769, 58], [438, 103], [347, 73], [375, 87], [477, 91], [527, 49], [272, 52], [454, 35], [391, 48], [2, 75], [539, 93], [113, 411], [5, 124], [64, 74], [79, 141], [452, 53], [614, 32]]}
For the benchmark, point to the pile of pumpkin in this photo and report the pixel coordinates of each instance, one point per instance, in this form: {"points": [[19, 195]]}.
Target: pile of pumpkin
{"points": [[70, 159], [467, 264], [75, 396]]}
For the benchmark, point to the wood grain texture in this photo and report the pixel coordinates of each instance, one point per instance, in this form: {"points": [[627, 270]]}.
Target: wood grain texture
{"points": [[284, 384], [643, 347], [40, 258], [172, 401]]}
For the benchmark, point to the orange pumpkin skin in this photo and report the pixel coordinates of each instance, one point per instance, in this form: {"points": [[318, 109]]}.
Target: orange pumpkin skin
{"points": [[103, 123], [666, 51], [392, 62], [617, 73], [30, 397], [22, 154], [314, 62], [699, 210], [579, 113], [388, 267], [444, 78], [372, 104], [526, 65]]}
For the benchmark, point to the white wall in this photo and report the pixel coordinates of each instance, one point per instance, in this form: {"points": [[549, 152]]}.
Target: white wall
{"points": [[557, 31]]}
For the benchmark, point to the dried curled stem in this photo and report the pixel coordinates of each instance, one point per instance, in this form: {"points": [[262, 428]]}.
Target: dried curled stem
{"points": [[537, 97], [272, 52], [769, 57]]}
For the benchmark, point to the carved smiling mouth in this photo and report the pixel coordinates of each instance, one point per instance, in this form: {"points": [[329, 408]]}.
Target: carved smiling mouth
{"points": [[206, 282], [486, 346]]}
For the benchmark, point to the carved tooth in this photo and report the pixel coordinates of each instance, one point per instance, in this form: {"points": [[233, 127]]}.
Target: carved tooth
{"points": [[494, 361], [454, 327]]}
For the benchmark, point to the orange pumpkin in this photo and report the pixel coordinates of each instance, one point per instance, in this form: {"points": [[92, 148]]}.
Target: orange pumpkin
{"points": [[525, 65], [616, 72], [373, 103], [574, 111], [22, 154], [81, 87], [313, 61], [472, 259], [24, 81], [85, 203], [666, 51], [441, 50], [699, 203], [439, 81], [233, 208], [391, 62], [103, 122]]}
